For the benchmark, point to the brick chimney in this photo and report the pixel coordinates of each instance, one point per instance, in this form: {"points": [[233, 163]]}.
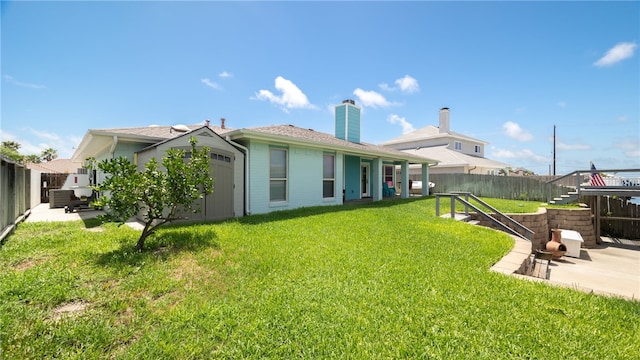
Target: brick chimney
{"points": [[222, 120], [207, 123]]}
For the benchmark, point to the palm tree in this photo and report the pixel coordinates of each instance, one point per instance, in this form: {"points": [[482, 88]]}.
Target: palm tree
{"points": [[13, 145], [49, 154], [33, 159]]}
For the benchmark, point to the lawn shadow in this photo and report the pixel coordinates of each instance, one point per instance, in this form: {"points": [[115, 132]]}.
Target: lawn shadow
{"points": [[164, 244], [319, 210], [91, 222]]}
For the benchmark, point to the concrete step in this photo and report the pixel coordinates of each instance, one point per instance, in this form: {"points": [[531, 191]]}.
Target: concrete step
{"points": [[459, 217]]}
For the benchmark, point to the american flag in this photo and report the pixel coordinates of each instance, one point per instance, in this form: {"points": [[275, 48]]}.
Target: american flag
{"points": [[596, 179]]}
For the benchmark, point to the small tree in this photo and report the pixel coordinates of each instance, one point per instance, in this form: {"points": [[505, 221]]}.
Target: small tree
{"points": [[158, 196], [9, 149]]}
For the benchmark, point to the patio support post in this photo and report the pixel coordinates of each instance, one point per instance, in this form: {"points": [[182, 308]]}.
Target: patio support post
{"points": [[425, 179], [404, 179], [376, 178]]}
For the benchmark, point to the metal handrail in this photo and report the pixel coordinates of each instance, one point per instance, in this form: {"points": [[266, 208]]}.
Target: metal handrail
{"points": [[457, 195], [577, 174]]}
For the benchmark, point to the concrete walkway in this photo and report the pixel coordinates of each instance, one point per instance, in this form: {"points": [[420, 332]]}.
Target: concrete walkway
{"points": [[42, 213], [612, 268]]}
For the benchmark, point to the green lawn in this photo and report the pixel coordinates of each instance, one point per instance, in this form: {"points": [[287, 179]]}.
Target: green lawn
{"points": [[386, 280]]}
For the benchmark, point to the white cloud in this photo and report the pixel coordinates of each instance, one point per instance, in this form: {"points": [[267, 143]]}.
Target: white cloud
{"points": [[225, 75], [13, 81], [631, 147], [292, 97], [5, 136], [562, 146], [45, 135], [41, 141], [616, 54], [408, 84], [371, 98], [398, 120], [209, 83], [524, 154], [386, 87], [514, 130]]}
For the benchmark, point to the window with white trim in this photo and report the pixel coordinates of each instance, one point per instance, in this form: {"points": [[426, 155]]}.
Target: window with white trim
{"points": [[457, 145], [328, 176], [477, 149], [277, 175], [388, 174]]}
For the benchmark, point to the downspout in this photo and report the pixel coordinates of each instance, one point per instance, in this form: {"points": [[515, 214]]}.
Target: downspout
{"points": [[247, 202], [113, 146]]}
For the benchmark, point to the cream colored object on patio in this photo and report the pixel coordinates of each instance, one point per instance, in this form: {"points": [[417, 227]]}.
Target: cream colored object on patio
{"points": [[573, 241]]}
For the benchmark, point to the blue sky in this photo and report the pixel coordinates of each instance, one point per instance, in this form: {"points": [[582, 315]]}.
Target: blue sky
{"points": [[509, 71]]}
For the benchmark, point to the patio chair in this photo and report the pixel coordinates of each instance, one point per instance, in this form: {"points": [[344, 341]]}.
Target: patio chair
{"points": [[387, 191]]}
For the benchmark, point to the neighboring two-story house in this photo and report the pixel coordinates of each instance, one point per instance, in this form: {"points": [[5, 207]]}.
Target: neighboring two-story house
{"points": [[454, 152]]}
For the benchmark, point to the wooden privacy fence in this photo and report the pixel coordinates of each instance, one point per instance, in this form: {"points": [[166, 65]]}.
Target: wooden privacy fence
{"points": [[619, 217], [15, 194], [495, 186]]}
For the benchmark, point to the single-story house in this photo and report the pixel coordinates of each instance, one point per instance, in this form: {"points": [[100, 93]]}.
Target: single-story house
{"points": [[140, 144], [274, 167]]}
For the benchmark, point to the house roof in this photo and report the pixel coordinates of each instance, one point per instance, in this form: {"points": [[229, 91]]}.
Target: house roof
{"points": [[95, 141], [429, 133], [56, 166], [189, 133], [291, 134], [451, 158]]}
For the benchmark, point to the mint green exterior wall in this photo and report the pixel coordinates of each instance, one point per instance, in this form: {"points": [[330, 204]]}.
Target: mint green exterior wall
{"points": [[351, 177], [304, 178], [347, 122], [121, 149], [128, 149]]}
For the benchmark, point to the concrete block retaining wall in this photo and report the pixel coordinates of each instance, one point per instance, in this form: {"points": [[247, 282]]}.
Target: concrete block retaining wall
{"points": [[579, 220], [545, 219]]}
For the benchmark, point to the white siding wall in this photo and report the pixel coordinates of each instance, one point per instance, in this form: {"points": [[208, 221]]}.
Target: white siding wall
{"points": [[468, 147]]}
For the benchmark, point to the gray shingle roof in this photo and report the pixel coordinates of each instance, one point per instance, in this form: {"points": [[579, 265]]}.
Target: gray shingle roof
{"points": [[291, 133], [155, 132]]}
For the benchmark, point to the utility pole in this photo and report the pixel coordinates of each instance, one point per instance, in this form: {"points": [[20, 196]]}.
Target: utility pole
{"points": [[554, 150]]}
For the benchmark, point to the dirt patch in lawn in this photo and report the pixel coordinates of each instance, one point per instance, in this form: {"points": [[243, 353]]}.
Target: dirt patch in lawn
{"points": [[68, 310], [28, 264]]}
